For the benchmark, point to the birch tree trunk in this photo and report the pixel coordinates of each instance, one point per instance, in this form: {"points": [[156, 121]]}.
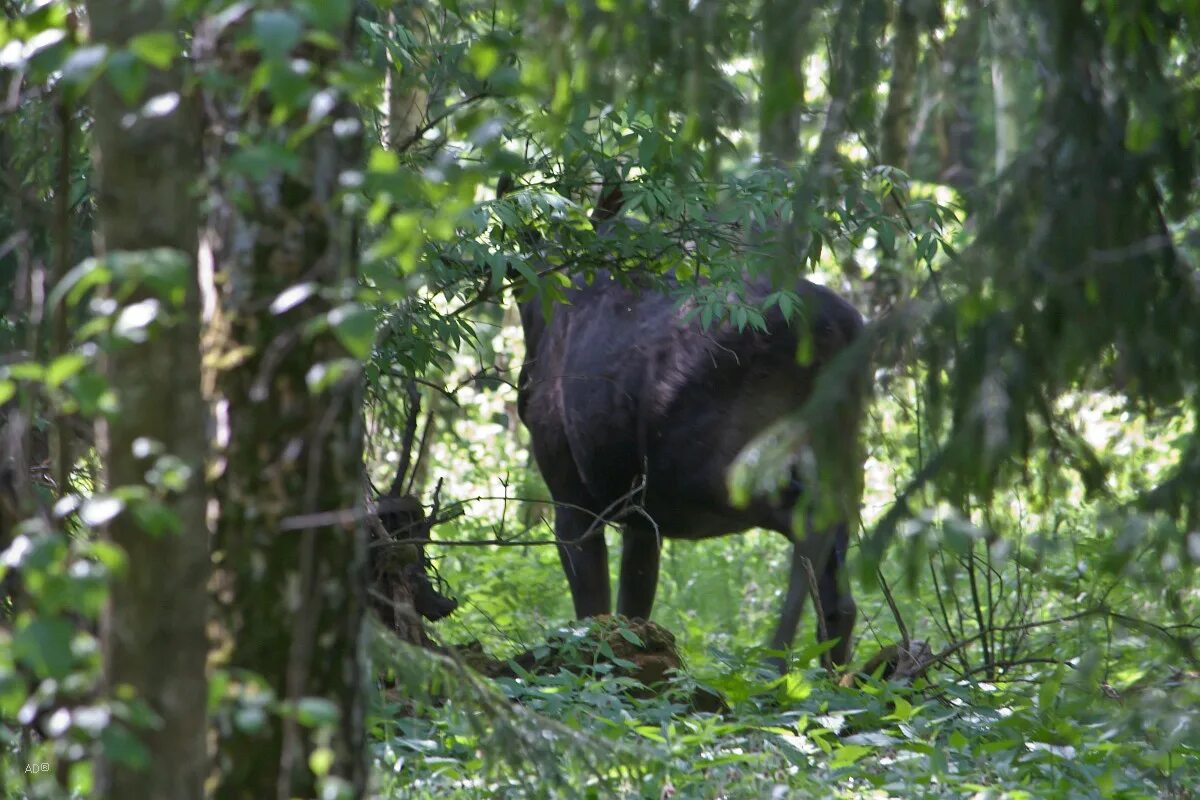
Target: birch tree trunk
{"points": [[147, 156]]}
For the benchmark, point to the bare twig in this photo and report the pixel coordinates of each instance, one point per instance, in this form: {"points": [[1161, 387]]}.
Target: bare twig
{"points": [[1182, 644], [410, 434], [1000, 666], [819, 611], [891, 601], [986, 633], [433, 122], [345, 516]]}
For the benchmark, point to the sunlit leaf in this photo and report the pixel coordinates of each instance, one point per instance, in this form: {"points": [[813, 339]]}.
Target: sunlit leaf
{"points": [[156, 48], [60, 369], [354, 326]]}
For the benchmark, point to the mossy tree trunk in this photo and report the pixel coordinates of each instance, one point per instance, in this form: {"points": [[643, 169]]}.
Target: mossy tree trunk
{"points": [[785, 45], [289, 546], [153, 629]]}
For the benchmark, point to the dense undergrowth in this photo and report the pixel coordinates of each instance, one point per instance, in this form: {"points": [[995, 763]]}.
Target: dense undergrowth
{"points": [[1051, 680]]}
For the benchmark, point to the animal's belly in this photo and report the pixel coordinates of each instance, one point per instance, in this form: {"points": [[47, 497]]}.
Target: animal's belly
{"points": [[674, 521], [693, 503]]}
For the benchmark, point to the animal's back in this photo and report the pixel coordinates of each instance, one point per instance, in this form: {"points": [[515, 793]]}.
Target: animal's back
{"points": [[619, 384]]}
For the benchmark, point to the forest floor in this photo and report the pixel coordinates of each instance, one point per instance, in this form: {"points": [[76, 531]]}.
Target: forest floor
{"points": [[610, 709]]}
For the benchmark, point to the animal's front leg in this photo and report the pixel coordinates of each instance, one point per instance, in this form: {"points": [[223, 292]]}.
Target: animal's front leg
{"points": [[584, 557], [639, 572], [808, 553]]}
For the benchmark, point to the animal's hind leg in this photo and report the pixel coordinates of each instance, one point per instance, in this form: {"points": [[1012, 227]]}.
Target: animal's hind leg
{"points": [[640, 550], [837, 603], [793, 606], [584, 557]]}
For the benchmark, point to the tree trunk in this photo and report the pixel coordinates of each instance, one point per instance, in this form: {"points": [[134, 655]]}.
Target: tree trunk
{"points": [[821, 168], [955, 126], [785, 39], [290, 547], [1004, 89], [153, 629], [405, 94], [897, 115]]}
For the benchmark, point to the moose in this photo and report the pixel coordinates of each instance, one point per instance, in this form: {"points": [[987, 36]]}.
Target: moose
{"points": [[636, 413]]}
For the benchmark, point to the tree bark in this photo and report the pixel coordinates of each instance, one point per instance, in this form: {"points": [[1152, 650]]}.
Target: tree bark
{"points": [[897, 115], [290, 545], [955, 128], [820, 171], [785, 44], [1004, 89], [406, 97], [153, 629]]}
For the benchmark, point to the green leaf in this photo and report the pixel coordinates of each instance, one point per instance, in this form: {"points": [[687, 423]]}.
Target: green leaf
{"points": [[805, 350], [218, 685], [320, 761], [1141, 133], [108, 554], [88, 273], [84, 65], [39, 17], [128, 76], [630, 637], [62, 368], [872, 739], [250, 719], [7, 390], [92, 392], [25, 371], [1048, 692], [526, 272], [122, 746], [289, 87], [165, 271], [259, 161], [847, 754], [156, 519], [499, 269], [46, 51], [327, 15], [157, 48], [887, 237], [326, 374], [45, 645], [484, 57], [277, 32], [314, 712], [354, 326]]}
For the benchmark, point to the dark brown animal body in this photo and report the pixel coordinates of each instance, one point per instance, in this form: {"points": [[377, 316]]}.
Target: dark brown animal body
{"points": [[636, 415]]}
